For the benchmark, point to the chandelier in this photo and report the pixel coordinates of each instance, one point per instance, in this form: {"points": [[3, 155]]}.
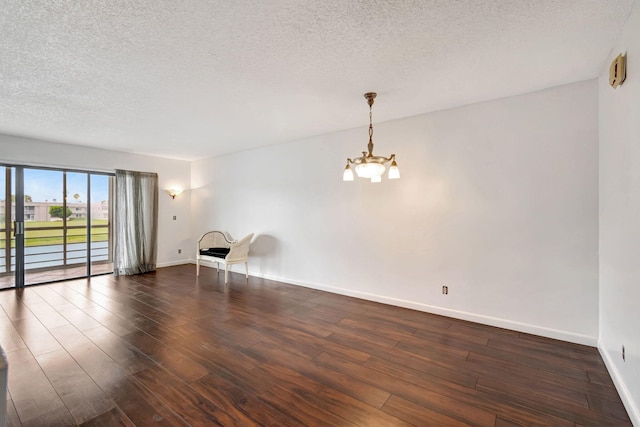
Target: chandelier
{"points": [[370, 166]]}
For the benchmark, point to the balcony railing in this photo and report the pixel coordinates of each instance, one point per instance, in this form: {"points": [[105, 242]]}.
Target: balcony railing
{"points": [[57, 247]]}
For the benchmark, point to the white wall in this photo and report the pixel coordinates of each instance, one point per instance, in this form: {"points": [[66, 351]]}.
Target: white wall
{"points": [[497, 200], [620, 219], [171, 234]]}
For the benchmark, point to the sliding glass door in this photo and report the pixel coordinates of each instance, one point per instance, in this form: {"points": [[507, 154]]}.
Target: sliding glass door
{"points": [[8, 230], [56, 225]]}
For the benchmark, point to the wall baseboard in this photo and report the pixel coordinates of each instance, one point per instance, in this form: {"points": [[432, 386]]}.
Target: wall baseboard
{"points": [[472, 317], [623, 391], [172, 263]]}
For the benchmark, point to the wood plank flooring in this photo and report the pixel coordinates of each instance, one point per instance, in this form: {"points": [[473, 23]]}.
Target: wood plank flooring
{"points": [[168, 348]]}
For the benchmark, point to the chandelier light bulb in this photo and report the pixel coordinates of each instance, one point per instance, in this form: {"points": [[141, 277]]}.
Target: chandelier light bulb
{"points": [[394, 172], [347, 175]]}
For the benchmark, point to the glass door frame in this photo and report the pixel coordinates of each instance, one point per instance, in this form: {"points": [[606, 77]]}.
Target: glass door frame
{"points": [[15, 222], [18, 227], [7, 222]]}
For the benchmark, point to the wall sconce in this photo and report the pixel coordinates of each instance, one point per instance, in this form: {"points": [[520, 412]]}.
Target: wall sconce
{"points": [[618, 71], [173, 192]]}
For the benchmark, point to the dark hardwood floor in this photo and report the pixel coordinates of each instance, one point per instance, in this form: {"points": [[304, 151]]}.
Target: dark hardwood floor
{"points": [[168, 348]]}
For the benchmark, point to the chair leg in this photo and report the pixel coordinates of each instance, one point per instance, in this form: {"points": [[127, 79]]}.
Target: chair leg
{"points": [[246, 268], [226, 274], [218, 267], [197, 267]]}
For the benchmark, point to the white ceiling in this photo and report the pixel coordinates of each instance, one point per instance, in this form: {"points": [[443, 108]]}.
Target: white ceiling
{"points": [[190, 79]]}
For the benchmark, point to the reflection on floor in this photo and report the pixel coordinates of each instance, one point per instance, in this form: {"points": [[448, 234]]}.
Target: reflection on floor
{"points": [[33, 277]]}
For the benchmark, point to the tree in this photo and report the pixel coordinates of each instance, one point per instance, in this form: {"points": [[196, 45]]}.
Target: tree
{"points": [[56, 211], [27, 198]]}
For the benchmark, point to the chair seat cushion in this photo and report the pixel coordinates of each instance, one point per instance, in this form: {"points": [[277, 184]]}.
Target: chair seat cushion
{"points": [[215, 252]]}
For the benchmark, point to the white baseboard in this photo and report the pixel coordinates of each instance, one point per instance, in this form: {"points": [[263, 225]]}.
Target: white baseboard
{"points": [[172, 263], [623, 391], [472, 317], [456, 314]]}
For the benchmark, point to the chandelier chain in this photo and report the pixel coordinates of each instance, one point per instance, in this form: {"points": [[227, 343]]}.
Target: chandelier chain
{"points": [[370, 145]]}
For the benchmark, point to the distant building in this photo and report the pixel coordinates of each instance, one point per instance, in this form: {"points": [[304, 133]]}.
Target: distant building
{"points": [[39, 211]]}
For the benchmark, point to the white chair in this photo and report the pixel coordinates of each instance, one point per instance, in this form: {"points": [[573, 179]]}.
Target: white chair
{"points": [[219, 247]]}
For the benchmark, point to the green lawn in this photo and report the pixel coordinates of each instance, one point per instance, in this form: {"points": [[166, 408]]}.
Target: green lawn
{"points": [[40, 233]]}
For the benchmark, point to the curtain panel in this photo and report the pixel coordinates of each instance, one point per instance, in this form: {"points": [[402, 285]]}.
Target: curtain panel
{"points": [[136, 239]]}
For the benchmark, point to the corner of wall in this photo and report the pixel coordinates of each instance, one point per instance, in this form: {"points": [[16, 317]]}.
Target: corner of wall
{"points": [[625, 395]]}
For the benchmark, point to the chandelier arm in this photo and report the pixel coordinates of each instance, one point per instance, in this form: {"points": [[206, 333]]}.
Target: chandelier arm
{"points": [[385, 159]]}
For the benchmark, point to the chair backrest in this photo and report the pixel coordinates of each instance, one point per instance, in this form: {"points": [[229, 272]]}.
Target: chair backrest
{"points": [[213, 239], [240, 249]]}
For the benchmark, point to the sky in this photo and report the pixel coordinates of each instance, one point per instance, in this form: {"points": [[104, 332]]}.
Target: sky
{"points": [[46, 185]]}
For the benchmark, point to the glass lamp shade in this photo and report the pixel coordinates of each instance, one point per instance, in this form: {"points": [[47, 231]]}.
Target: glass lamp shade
{"points": [[376, 178], [369, 170], [173, 192], [394, 172], [347, 175]]}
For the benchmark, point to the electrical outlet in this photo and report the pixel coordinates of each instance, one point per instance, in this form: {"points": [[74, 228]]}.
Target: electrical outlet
{"points": [[174, 218], [179, 251], [623, 356], [445, 290]]}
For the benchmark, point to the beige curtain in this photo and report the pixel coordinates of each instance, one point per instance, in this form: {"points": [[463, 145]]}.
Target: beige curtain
{"points": [[136, 222]]}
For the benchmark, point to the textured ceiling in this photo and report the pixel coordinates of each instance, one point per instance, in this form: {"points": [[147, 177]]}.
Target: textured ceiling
{"points": [[192, 78]]}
